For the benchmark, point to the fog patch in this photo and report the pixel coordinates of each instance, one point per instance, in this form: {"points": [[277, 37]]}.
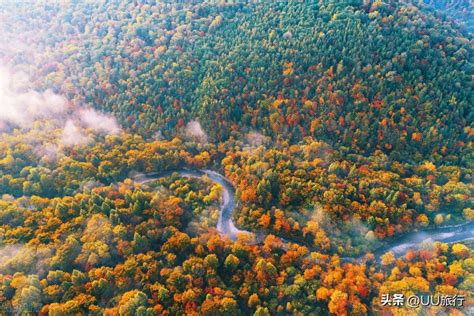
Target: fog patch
{"points": [[203, 222], [158, 136], [256, 139], [20, 106], [359, 227], [99, 122], [48, 152], [87, 186], [73, 135], [21, 258], [27, 109], [194, 131], [319, 216]]}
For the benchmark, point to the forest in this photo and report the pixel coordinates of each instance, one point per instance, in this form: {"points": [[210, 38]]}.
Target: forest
{"points": [[342, 126]]}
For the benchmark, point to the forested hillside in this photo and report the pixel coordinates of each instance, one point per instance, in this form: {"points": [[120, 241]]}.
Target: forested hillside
{"points": [[461, 11], [365, 76], [341, 125]]}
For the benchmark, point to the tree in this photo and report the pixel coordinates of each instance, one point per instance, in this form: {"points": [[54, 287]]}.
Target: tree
{"points": [[253, 301], [131, 301], [460, 251], [338, 303], [231, 262], [387, 259]]}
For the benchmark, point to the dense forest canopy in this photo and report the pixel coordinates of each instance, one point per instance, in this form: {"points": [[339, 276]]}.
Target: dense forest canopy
{"points": [[461, 11], [342, 125], [281, 69]]}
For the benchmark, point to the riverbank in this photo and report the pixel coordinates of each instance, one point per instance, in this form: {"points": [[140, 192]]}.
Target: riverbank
{"points": [[399, 245]]}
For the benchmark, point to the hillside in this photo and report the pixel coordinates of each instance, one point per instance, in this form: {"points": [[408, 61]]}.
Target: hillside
{"points": [[266, 158], [362, 76], [461, 11]]}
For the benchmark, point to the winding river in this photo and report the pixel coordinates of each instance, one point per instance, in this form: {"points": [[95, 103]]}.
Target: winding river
{"points": [[399, 246], [225, 224], [413, 240]]}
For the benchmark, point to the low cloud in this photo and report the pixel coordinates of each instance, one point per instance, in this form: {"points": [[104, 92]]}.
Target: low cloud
{"points": [[255, 144], [99, 122], [319, 216], [158, 136], [256, 139], [48, 152], [73, 135], [88, 185], [21, 258], [359, 227], [9, 252], [21, 107], [195, 131]]}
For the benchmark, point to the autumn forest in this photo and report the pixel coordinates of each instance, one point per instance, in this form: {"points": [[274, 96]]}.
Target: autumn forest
{"points": [[235, 158]]}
